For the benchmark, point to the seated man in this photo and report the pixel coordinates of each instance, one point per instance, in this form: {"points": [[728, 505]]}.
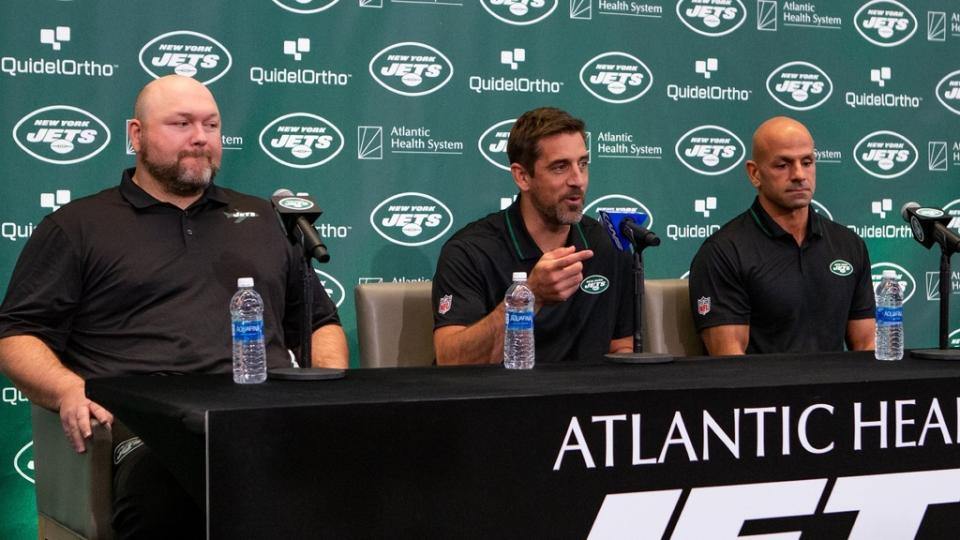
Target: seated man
{"points": [[780, 277], [545, 234], [137, 280]]}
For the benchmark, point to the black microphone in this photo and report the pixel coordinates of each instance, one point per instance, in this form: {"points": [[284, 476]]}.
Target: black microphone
{"points": [[929, 227], [297, 214], [639, 236]]}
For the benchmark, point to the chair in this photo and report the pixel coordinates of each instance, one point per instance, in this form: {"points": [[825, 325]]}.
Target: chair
{"points": [[667, 321], [74, 491], [395, 324]]}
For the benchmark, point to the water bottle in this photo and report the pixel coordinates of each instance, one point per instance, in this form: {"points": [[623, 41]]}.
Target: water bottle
{"points": [[249, 353], [889, 318], [518, 349]]}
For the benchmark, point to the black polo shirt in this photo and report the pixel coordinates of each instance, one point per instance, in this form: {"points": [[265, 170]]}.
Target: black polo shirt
{"points": [[120, 283], [795, 298], [476, 266]]}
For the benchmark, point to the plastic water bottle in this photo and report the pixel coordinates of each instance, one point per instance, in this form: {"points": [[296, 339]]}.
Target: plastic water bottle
{"points": [[518, 346], [249, 353], [889, 318]]}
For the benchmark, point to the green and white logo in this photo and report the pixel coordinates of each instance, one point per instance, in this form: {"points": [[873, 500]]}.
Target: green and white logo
{"points": [[885, 154], [61, 134], [616, 77], [841, 267], [886, 23], [520, 12], [800, 86], [948, 92], [295, 203], [493, 144], [411, 69], [305, 6], [594, 284], [411, 219], [710, 150], [301, 140], [332, 287], [907, 284], [712, 18], [23, 462], [186, 53]]}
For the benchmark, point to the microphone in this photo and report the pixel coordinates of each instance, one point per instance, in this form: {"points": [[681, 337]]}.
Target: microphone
{"points": [[297, 214], [625, 230], [929, 226]]}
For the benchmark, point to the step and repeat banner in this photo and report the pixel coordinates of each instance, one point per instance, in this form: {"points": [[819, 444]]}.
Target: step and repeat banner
{"points": [[394, 115]]}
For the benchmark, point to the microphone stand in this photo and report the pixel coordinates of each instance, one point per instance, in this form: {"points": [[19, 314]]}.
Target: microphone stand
{"points": [[638, 356], [944, 352]]}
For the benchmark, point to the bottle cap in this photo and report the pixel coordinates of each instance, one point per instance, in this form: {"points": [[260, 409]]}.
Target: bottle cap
{"points": [[890, 274], [519, 276], [245, 282]]}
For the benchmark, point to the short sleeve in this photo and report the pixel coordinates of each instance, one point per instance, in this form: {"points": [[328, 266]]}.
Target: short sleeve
{"points": [[459, 289], [718, 295]]}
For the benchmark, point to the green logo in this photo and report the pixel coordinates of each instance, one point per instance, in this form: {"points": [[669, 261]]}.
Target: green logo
{"points": [[594, 284], [841, 267]]}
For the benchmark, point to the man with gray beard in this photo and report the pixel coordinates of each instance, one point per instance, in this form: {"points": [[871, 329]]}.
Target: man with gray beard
{"points": [[137, 279], [581, 282]]}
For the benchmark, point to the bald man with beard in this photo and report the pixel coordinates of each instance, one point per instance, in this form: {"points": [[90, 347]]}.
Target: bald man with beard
{"points": [[781, 277], [137, 279]]}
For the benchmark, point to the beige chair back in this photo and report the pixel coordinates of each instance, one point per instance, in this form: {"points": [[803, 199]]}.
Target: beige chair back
{"points": [[395, 324], [667, 321]]}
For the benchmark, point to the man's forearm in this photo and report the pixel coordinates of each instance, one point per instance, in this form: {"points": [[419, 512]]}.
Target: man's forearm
{"points": [[37, 371], [479, 343], [329, 347]]}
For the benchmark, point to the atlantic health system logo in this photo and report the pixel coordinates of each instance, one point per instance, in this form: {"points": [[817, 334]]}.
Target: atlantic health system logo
{"points": [[800, 86], [186, 53], [616, 77], [710, 150], [411, 69], [61, 134]]}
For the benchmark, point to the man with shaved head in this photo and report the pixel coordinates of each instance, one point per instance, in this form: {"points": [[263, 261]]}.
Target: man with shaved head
{"points": [[781, 277], [137, 279]]}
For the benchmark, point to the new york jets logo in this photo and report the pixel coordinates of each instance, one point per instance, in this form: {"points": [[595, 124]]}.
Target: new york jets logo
{"points": [[411, 219], [948, 92], [885, 154], [886, 23], [841, 268], [493, 144], [332, 286], [520, 12], [295, 203], [621, 204], [301, 140], [709, 150], [821, 209], [23, 462], [61, 134], [954, 339], [616, 77], [305, 6], [907, 284], [712, 17], [411, 69], [186, 53], [594, 284], [800, 86]]}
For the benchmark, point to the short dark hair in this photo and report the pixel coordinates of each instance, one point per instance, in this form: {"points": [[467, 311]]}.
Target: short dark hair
{"points": [[523, 147]]}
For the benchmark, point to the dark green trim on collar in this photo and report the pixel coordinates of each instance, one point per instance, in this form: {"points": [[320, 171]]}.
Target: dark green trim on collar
{"points": [[759, 223], [586, 245], [513, 236]]}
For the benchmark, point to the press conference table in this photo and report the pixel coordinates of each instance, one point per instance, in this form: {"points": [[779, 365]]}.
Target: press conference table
{"points": [[565, 449]]}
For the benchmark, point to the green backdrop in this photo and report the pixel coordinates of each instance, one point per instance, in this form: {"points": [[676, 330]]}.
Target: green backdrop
{"points": [[393, 114]]}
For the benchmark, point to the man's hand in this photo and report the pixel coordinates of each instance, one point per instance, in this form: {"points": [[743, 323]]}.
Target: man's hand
{"points": [[75, 413], [557, 275]]}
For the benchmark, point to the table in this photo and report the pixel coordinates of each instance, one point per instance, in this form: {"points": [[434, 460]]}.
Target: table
{"points": [[833, 445]]}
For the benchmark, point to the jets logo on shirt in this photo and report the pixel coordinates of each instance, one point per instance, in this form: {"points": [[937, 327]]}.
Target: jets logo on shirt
{"points": [[703, 305], [445, 303]]}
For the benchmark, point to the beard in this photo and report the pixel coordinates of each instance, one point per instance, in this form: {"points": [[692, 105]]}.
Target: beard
{"points": [[177, 179], [560, 212]]}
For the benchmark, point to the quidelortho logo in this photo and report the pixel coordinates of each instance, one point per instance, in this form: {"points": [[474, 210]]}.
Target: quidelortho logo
{"points": [[493, 144], [411, 69], [305, 6], [712, 17], [411, 219], [907, 284], [61, 134], [885, 154], [520, 12], [616, 77], [710, 150], [23, 462], [618, 203], [332, 287], [301, 140], [886, 23], [53, 41], [948, 92], [186, 53], [800, 86]]}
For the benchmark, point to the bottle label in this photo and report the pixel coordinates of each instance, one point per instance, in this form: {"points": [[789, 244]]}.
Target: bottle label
{"points": [[519, 320], [889, 316], [247, 330]]}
